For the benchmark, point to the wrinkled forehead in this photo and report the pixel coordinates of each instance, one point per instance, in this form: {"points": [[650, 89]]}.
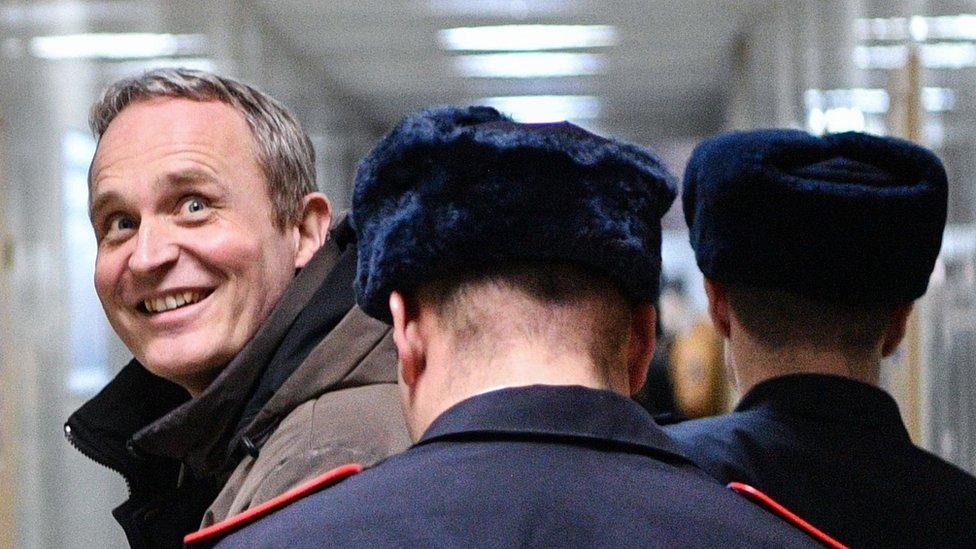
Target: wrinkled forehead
{"points": [[159, 125]]}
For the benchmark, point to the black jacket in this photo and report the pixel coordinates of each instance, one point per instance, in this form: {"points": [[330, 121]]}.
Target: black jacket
{"points": [[175, 453], [539, 466], [835, 451]]}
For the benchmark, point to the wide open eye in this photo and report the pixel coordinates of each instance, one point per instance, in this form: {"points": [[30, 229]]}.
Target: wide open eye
{"points": [[193, 205]]}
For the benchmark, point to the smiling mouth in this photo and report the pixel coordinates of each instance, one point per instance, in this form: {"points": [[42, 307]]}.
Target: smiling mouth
{"points": [[171, 301]]}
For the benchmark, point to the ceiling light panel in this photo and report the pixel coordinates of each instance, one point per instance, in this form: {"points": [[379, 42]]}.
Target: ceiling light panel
{"points": [[505, 8], [546, 108], [918, 28], [527, 37], [529, 65], [874, 100], [939, 55], [116, 45]]}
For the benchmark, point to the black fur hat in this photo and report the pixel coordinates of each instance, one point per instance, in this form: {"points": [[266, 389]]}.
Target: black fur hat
{"points": [[848, 217], [454, 189]]}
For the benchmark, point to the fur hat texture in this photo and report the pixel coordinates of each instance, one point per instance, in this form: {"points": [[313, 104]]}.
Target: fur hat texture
{"points": [[848, 217], [453, 190]]}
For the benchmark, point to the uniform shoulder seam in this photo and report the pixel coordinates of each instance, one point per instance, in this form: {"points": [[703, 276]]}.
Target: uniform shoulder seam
{"points": [[248, 516]]}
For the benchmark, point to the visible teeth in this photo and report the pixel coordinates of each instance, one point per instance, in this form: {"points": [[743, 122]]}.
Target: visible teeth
{"points": [[160, 304]]}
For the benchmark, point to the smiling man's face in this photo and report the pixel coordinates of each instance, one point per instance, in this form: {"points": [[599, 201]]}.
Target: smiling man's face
{"points": [[190, 261]]}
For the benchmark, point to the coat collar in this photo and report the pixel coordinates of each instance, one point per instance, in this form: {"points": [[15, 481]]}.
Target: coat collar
{"points": [[827, 398], [569, 413]]}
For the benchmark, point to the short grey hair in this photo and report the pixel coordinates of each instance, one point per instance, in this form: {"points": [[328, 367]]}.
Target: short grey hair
{"points": [[284, 151]]}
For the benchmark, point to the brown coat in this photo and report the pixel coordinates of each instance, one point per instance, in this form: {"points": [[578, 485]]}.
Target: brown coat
{"points": [[355, 423]]}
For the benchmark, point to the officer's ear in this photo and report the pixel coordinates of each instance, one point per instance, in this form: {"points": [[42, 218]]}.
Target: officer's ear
{"points": [[410, 345], [718, 306], [643, 337], [313, 228], [896, 329]]}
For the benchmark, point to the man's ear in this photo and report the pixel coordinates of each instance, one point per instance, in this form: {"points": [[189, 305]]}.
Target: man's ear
{"points": [[410, 345], [313, 228], [643, 337], [896, 329], [718, 306]]}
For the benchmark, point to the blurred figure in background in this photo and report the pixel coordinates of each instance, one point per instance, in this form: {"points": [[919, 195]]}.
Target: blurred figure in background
{"points": [[813, 251], [216, 265], [686, 377], [519, 265]]}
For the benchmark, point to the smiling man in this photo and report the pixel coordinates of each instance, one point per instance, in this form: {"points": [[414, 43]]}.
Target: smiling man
{"points": [[254, 371]]}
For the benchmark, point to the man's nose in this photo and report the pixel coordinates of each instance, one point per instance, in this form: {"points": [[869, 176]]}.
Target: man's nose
{"points": [[155, 248]]}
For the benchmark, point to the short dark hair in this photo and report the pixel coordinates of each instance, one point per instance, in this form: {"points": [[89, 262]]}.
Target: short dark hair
{"points": [[569, 306], [778, 319]]}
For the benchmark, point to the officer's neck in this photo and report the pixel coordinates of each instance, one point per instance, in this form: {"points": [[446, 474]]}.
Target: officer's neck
{"points": [[449, 379], [752, 363]]}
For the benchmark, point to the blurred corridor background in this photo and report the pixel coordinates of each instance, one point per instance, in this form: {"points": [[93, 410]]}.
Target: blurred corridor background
{"points": [[661, 73]]}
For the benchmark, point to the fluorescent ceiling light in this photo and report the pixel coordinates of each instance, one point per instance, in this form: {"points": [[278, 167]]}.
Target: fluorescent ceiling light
{"points": [[838, 119], [868, 100], [505, 8], [938, 99], [880, 57], [941, 55], [546, 108], [527, 37], [881, 28], [529, 65], [194, 63], [948, 55], [872, 100], [955, 27], [115, 46], [918, 28]]}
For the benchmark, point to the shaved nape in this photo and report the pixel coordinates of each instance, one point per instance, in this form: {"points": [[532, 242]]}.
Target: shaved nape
{"points": [[571, 309]]}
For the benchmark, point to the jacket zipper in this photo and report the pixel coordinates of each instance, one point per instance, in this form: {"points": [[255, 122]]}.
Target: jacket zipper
{"points": [[93, 454]]}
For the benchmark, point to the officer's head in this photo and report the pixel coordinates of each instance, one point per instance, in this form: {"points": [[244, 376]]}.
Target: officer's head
{"points": [[815, 242], [203, 202], [509, 254]]}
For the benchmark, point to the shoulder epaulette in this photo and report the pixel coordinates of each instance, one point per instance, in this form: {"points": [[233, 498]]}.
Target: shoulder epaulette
{"points": [[213, 532], [782, 512]]}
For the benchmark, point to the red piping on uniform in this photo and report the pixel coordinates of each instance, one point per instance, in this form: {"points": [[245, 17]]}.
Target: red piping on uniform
{"points": [[784, 513], [322, 481]]}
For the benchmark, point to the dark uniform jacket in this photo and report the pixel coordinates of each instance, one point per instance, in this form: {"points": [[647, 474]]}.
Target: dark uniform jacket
{"points": [[537, 466], [835, 451], [314, 388]]}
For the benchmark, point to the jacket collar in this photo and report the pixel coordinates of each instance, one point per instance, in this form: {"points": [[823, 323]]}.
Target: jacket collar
{"points": [[827, 398], [568, 413], [104, 425]]}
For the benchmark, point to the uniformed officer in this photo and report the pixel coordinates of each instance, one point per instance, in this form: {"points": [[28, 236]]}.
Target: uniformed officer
{"points": [[813, 250], [517, 264]]}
